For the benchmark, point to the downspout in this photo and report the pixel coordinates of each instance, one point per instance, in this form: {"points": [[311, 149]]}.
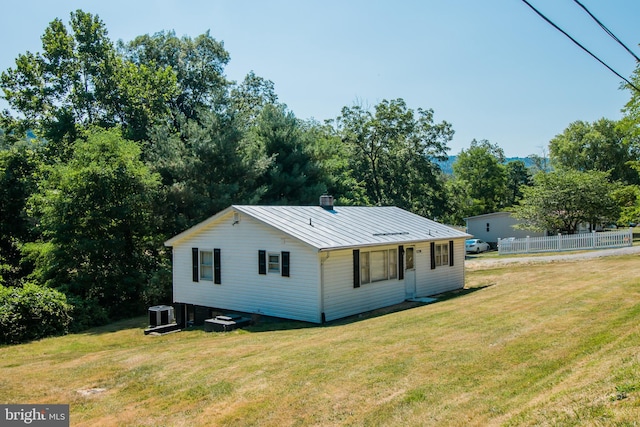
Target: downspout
{"points": [[323, 257], [464, 260]]}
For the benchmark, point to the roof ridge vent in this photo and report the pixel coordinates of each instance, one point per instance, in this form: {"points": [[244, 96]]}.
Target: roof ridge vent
{"points": [[326, 202]]}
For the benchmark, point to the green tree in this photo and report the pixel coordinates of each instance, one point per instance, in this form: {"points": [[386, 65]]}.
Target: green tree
{"points": [[479, 184], [249, 98], [204, 168], [99, 239], [32, 312], [198, 65], [517, 176], [292, 176], [393, 152], [561, 200], [603, 146], [18, 166], [628, 198], [630, 123], [80, 80], [332, 156]]}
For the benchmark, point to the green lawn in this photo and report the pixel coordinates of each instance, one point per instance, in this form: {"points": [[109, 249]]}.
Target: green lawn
{"points": [[549, 344]]}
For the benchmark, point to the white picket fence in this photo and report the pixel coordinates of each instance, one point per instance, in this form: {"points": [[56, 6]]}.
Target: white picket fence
{"points": [[570, 242]]}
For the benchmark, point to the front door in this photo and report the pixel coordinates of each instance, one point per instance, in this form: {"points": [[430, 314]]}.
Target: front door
{"points": [[409, 273]]}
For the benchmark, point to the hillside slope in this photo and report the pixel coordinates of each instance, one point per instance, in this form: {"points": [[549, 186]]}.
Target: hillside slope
{"points": [[543, 344]]}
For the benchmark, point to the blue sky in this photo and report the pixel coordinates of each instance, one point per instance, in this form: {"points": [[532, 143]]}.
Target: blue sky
{"points": [[492, 68]]}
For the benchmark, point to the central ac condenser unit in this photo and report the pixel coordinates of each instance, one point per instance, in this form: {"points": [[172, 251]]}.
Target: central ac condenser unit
{"points": [[160, 315]]}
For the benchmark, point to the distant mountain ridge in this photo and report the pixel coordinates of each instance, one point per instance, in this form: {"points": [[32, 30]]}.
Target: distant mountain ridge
{"points": [[447, 165]]}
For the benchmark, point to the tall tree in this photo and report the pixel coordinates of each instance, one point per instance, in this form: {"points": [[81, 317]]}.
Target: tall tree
{"points": [[99, 240], [393, 152], [480, 179], [332, 156], [18, 180], [249, 98], [80, 80], [561, 200], [198, 65], [292, 176], [204, 166], [599, 146], [517, 176]]}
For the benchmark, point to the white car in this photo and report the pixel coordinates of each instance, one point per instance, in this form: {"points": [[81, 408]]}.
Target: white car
{"points": [[476, 246]]}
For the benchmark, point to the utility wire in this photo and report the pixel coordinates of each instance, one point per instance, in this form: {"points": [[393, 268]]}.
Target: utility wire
{"points": [[606, 30], [579, 45]]}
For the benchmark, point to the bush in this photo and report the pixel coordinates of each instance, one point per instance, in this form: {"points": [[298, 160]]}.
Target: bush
{"points": [[86, 314], [32, 312]]}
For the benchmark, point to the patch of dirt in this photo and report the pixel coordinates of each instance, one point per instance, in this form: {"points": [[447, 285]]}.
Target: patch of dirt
{"points": [[90, 391]]}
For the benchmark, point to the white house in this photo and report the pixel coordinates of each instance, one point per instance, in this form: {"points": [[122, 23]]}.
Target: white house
{"points": [[497, 225], [312, 263]]}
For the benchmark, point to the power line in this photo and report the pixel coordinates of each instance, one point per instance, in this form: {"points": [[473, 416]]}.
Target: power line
{"points": [[606, 30], [579, 45]]}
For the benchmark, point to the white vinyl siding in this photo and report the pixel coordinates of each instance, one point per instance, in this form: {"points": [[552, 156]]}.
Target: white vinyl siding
{"points": [[442, 279], [341, 299], [497, 225], [312, 280], [243, 289]]}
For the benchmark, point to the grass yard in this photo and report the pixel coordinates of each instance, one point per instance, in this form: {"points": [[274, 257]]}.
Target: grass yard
{"points": [[543, 344]]}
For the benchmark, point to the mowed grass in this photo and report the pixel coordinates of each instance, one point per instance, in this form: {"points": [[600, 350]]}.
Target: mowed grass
{"points": [[544, 344]]}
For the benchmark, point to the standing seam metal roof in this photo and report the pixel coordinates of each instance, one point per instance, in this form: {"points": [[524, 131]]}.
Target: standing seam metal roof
{"points": [[350, 226]]}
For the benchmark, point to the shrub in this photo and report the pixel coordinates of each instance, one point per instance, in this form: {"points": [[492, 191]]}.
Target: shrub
{"points": [[86, 314], [32, 312]]}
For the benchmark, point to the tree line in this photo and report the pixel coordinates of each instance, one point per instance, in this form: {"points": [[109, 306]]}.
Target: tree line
{"points": [[108, 149]]}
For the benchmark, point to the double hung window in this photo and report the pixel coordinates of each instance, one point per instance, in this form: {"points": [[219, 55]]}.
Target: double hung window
{"points": [[206, 265]]}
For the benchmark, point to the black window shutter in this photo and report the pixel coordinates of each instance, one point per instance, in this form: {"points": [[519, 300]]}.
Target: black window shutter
{"points": [[217, 277], [450, 252], [401, 262], [433, 255], [356, 268], [262, 262], [195, 262], [285, 264]]}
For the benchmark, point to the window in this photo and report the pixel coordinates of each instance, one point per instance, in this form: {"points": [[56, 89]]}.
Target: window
{"points": [[379, 266], [206, 265], [274, 263], [364, 267], [442, 254], [376, 266], [409, 261], [393, 263]]}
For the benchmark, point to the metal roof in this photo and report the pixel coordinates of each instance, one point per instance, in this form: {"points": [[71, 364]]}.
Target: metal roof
{"points": [[343, 226]]}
